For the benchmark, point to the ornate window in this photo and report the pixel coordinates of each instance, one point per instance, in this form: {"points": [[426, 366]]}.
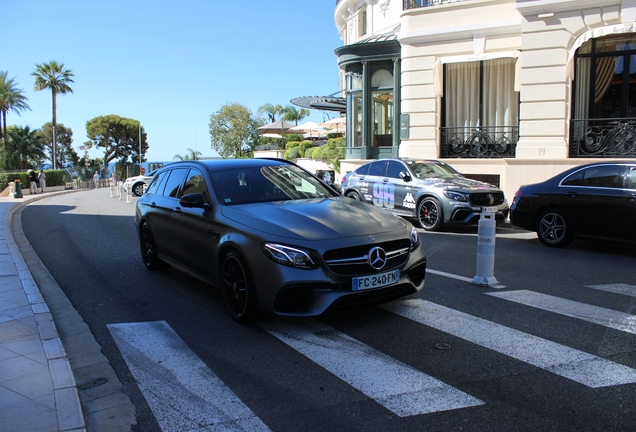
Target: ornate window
{"points": [[604, 100], [481, 109]]}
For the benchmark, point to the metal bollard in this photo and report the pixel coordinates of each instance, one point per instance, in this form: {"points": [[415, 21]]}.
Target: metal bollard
{"points": [[486, 249], [129, 195]]}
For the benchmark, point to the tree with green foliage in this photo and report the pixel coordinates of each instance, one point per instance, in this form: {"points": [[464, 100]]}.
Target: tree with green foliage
{"points": [[271, 110], [57, 78], [11, 99], [191, 155], [118, 136], [24, 148], [291, 114], [65, 153], [233, 131]]}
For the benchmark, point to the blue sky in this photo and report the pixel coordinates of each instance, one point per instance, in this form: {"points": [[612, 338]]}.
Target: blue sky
{"points": [[169, 64]]}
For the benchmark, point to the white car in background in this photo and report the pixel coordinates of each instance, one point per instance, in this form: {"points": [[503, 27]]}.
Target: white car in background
{"points": [[137, 183]]}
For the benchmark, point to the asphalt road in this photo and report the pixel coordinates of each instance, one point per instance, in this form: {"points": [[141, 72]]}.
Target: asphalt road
{"points": [[551, 349]]}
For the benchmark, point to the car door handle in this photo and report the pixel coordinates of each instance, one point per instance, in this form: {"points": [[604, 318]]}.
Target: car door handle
{"points": [[153, 205], [177, 210], [571, 194]]}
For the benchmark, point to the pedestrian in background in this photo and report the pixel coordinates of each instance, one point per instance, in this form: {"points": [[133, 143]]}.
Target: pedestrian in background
{"points": [[96, 180], [114, 178], [42, 180], [33, 179]]}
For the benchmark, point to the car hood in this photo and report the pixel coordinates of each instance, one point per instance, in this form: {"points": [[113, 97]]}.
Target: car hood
{"points": [[457, 183], [314, 219]]}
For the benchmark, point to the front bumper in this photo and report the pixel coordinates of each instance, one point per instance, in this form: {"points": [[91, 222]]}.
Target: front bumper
{"points": [[296, 292]]}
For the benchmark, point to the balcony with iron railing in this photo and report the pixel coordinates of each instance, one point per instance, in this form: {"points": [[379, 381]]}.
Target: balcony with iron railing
{"points": [[412, 4], [479, 142], [599, 138]]}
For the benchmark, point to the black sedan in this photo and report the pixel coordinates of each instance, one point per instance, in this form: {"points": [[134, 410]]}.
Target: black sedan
{"points": [[275, 238], [590, 201]]}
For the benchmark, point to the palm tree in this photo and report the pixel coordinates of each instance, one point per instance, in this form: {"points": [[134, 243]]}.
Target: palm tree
{"points": [[291, 114], [25, 147], [11, 98], [54, 76], [191, 155], [271, 110]]}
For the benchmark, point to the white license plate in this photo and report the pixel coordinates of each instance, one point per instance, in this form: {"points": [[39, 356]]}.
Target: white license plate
{"points": [[375, 281]]}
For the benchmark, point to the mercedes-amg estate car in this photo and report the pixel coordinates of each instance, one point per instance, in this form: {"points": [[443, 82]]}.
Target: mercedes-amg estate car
{"points": [[430, 191], [275, 238]]}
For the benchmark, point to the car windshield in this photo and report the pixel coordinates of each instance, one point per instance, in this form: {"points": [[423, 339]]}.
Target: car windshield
{"points": [[268, 183], [433, 170]]}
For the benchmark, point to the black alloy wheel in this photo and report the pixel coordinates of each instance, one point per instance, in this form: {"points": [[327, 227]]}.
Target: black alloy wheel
{"points": [[429, 214], [149, 248], [238, 289], [354, 195], [554, 229]]}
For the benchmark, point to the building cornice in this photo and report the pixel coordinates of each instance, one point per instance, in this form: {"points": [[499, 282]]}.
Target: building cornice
{"points": [[532, 7], [460, 31]]}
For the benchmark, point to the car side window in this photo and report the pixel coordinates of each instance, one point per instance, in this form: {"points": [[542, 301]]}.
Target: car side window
{"points": [[173, 184], [363, 170], [394, 169], [575, 179], [194, 184], [376, 168], [630, 180], [154, 186], [602, 176]]}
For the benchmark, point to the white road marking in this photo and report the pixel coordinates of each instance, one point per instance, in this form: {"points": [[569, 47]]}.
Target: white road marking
{"points": [[606, 317], [569, 363], [400, 388], [629, 290], [183, 393]]}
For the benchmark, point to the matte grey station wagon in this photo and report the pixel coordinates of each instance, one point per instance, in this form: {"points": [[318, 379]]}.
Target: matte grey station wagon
{"points": [[275, 238]]}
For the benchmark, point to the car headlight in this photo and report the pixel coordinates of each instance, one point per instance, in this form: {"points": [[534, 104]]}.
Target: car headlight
{"points": [[455, 196], [415, 238], [288, 256]]}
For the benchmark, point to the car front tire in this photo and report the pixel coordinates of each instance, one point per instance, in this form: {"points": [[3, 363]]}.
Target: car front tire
{"points": [[238, 289], [149, 248], [430, 215], [554, 229]]}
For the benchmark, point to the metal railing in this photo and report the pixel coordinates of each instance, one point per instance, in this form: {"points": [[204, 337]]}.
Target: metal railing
{"points": [[479, 142], [414, 4], [603, 138]]}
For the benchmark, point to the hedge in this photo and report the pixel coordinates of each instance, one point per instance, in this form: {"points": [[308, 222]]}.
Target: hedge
{"points": [[53, 178]]}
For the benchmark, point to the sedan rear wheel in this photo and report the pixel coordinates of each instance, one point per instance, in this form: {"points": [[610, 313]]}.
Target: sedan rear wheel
{"points": [[238, 289], [430, 214], [149, 248], [138, 189], [554, 229]]}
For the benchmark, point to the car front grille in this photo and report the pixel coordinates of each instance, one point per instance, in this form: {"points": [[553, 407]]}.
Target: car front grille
{"points": [[486, 198], [355, 260]]}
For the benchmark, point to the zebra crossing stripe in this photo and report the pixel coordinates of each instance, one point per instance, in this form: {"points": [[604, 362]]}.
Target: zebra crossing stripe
{"points": [[629, 290], [400, 388], [569, 363], [606, 317], [183, 393]]}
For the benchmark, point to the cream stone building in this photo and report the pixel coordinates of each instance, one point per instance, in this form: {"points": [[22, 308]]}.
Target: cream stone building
{"points": [[513, 91]]}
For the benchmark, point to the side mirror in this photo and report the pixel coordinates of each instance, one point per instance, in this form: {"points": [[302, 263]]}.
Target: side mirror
{"points": [[405, 176], [194, 200]]}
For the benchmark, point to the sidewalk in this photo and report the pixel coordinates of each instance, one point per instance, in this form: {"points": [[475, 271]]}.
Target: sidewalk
{"points": [[53, 375], [37, 387]]}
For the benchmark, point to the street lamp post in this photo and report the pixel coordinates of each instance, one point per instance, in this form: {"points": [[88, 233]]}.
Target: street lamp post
{"points": [[139, 148]]}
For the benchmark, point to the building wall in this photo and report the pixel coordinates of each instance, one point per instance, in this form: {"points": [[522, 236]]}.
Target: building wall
{"points": [[544, 33]]}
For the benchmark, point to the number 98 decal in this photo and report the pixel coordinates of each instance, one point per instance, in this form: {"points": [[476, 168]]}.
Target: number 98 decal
{"points": [[384, 195]]}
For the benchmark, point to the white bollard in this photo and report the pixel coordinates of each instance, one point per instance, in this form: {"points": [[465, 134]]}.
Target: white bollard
{"points": [[129, 195], [111, 190], [120, 186], [486, 249]]}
